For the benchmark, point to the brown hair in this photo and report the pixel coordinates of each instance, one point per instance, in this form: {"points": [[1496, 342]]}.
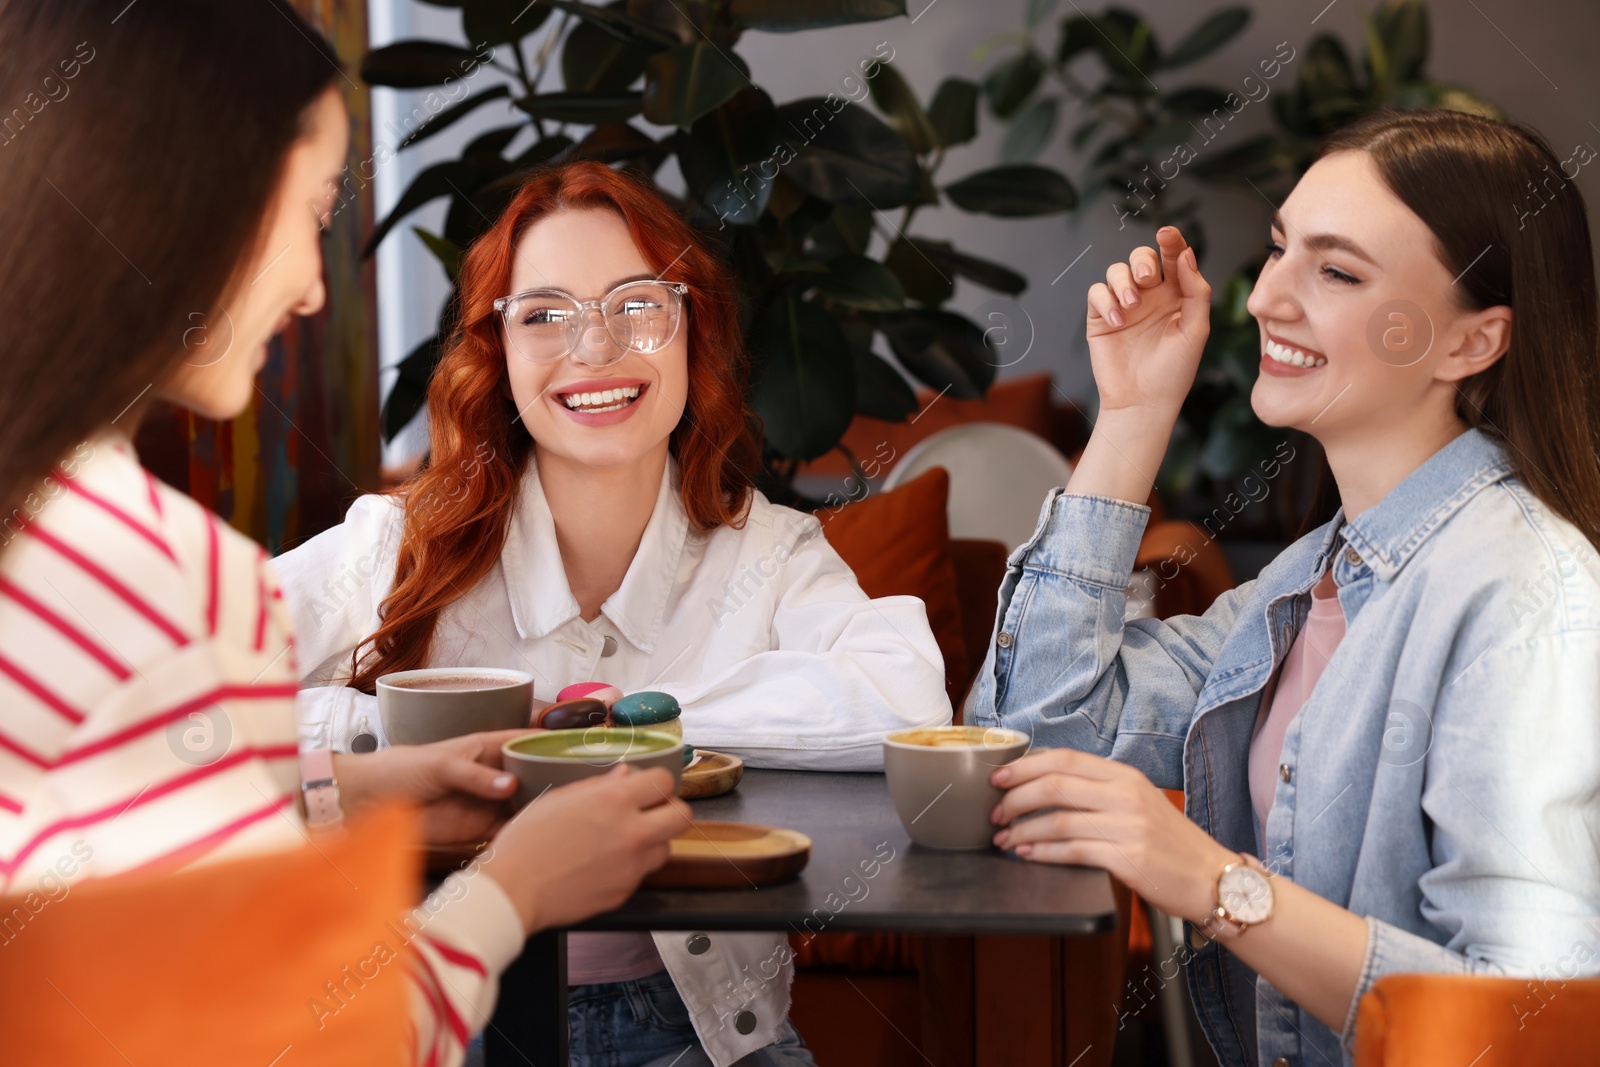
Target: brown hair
{"points": [[137, 166], [1484, 189], [458, 508]]}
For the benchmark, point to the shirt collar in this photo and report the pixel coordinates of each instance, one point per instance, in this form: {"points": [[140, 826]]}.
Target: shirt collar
{"points": [[536, 579], [1389, 533]]}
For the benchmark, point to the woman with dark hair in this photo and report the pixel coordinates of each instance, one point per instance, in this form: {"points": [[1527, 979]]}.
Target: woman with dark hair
{"points": [[1400, 716], [586, 515], [147, 672]]}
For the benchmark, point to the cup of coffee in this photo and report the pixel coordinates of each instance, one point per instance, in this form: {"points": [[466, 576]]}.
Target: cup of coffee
{"points": [[939, 780], [558, 757], [435, 703]]}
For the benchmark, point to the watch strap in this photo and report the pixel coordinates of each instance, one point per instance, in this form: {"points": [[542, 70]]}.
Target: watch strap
{"points": [[320, 789]]}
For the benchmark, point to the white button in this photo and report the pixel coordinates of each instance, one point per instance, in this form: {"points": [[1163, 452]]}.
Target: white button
{"points": [[1352, 557], [1004, 639]]}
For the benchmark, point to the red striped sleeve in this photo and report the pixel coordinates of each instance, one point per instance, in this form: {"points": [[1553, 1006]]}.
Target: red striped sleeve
{"points": [[213, 555], [40, 693], [65, 628], [140, 529], [192, 851], [10, 805], [155, 496], [105, 578], [145, 796], [261, 610], [22, 753], [455, 955], [442, 1004], [255, 691]]}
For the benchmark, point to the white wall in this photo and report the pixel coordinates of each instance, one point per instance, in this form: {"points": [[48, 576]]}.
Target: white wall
{"points": [[1533, 58]]}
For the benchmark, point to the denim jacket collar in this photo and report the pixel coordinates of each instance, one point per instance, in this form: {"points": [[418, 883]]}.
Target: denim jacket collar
{"points": [[1389, 533]]}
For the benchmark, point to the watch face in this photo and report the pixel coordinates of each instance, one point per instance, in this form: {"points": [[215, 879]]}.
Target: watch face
{"points": [[1247, 895]]}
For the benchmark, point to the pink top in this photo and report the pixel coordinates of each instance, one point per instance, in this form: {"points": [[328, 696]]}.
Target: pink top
{"points": [[608, 957], [1302, 665]]}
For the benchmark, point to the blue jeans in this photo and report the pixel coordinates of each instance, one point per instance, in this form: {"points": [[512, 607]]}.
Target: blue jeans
{"points": [[644, 1023]]}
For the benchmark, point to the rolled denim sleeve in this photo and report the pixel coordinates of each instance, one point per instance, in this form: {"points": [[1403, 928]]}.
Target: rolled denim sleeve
{"points": [[1062, 667], [1512, 766]]}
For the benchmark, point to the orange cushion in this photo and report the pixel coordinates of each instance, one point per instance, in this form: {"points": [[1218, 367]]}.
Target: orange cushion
{"points": [[898, 543], [1023, 402], [1434, 1020], [221, 964]]}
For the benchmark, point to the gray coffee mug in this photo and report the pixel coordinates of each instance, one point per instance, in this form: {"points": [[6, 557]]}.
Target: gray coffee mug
{"points": [[421, 706], [941, 787]]}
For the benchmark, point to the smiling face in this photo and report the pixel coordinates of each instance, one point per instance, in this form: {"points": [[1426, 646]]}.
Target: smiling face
{"points": [[1361, 329], [585, 408], [223, 351]]}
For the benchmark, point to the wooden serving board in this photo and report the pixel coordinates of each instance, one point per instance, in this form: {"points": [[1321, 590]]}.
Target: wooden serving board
{"points": [[714, 774], [732, 855]]}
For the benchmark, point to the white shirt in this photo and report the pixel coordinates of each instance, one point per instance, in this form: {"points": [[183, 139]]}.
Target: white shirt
{"points": [[762, 634]]}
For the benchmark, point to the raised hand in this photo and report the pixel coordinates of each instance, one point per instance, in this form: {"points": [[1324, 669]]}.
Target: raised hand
{"points": [[1148, 322]]}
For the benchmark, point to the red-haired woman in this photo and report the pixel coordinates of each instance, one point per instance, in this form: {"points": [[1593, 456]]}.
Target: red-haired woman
{"points": [[587, 515]]}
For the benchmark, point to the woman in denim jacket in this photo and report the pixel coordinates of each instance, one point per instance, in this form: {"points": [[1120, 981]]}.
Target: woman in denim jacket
{"points": [[1428, 314]]}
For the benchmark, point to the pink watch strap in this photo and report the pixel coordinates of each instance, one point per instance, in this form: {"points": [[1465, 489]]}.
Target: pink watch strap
{"points": [[319, 788]]}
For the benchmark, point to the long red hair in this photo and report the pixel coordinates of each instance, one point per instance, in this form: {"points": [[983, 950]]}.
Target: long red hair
{"points": [[458, 508]]}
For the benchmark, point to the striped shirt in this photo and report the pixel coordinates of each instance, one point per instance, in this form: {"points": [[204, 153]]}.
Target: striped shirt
{"points": [[147, 685]]}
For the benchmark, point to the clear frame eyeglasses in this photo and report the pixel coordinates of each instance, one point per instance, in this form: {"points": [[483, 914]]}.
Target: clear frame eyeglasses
{"points": [[546, 325]]}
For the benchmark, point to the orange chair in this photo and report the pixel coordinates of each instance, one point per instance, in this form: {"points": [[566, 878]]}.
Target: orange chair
{"points": [[221, 964], [1434, 1020]]}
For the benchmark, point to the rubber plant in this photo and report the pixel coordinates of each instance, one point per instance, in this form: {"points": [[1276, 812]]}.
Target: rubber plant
{"points": [[794, 194], [1091, 80]]}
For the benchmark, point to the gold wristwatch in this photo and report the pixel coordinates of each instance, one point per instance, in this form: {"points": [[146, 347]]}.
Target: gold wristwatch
{"points": [[1244, 893]]}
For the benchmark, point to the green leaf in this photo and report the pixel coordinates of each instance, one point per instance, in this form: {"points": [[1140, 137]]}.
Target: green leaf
{"points": [[804, 387], [1210, 35], [847, 229], [688, 81], [1196, 100], [454, 113], [1126, 46], [789, 16], [1083, 133], [987, 274], [492, 22], [848, 157], [619, 142], [594, 60], [896, 100], [619, 25], [590, 109], [863, 283], [1013, 191], [1403, 28], [1256, 158], [416, 64], [1029, 133], [1010, 84], [410, 389], [881, 391], [954, 111], [484, 151], [1037, 12], [921, 277], [943, 350], [727, 158], [441, 179], [447, 252], [1077, 35]]}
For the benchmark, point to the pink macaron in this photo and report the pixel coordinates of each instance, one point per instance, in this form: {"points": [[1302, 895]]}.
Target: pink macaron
{"points": [[604, 692]]}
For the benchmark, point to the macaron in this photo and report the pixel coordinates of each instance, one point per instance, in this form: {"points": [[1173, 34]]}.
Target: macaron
{"points": [[577, 714], [604, 692], [649, 709]]}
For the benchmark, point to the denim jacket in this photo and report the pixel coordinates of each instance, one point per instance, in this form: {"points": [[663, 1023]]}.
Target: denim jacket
{"points": [[1443, 778]]}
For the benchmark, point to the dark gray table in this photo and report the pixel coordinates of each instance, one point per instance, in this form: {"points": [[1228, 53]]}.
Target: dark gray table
{"points": [[850, 819]]}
